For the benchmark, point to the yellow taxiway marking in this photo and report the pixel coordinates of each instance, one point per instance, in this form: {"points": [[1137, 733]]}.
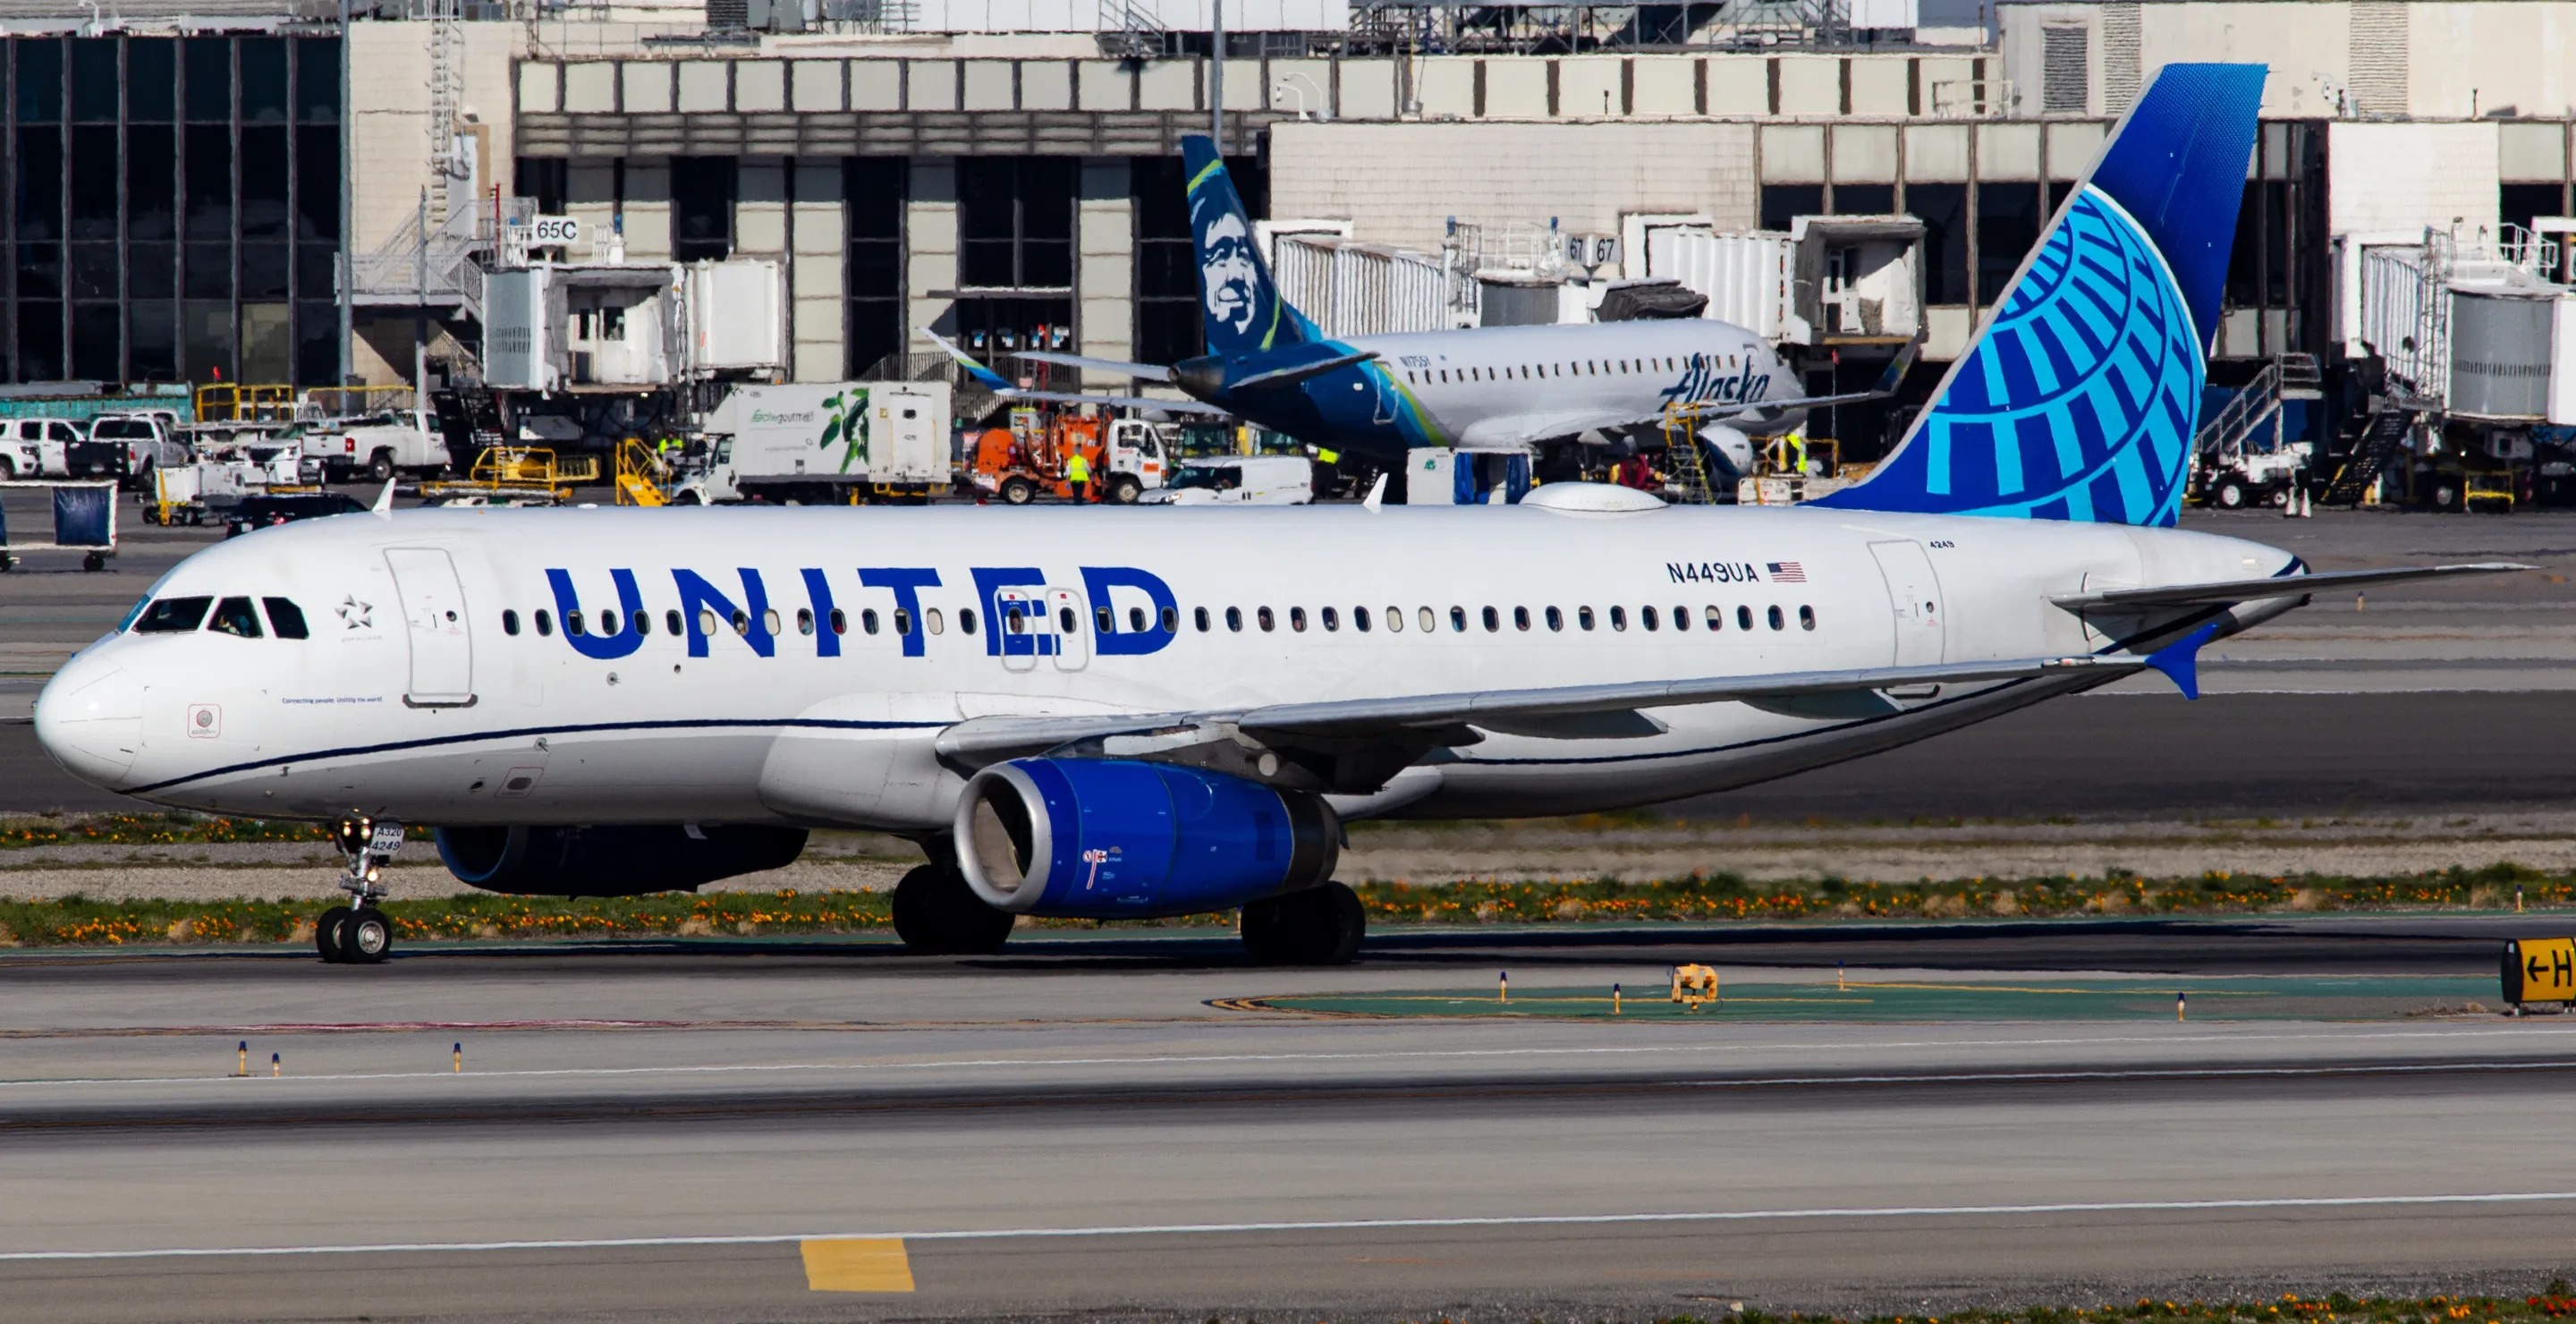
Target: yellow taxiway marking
{"points": [[857, 1264]]}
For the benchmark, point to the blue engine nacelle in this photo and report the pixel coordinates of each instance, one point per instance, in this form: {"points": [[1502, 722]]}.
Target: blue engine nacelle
{"points": [[1119, 839]]}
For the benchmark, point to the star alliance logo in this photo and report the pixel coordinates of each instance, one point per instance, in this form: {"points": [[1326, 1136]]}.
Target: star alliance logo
{"points": [[357, 615]]}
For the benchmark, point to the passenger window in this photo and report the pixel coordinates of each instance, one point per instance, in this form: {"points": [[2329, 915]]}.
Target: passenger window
{"points": [[1332, 619], [509, 620], [235, 616], [1428, 621], [1135, 620], [965, 620], [1015, 621], [769, 622], [938, 621], [572, 622], [1199, 618], [1555, 619], [1268, 622], [1618, 618], [671, 624], [1172, 620], [644, 622], [545, 624], [1681, 618], [1716, 617], [840, 621], [1744, 618], [1234, 619], [1064, 621], [868, 619], [742, 623], [1520, 618], [1806, 618], [286, 620], [607, 623], [1646, 617], [1583, 617], [903, 622], [1297, 619], [804, 620], [1776, 621], [173, 616], [1360, 619], [707, 621], [1493, 620], [1458, 619]]}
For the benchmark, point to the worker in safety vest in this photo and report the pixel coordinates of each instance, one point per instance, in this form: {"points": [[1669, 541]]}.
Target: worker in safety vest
{"points": [[1077, 475]]}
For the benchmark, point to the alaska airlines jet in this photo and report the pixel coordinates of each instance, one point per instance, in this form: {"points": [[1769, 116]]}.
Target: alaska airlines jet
{"points": [[1130, 713], [1483, 389]]}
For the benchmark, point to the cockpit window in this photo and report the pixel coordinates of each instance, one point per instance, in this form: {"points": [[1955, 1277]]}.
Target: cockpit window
{"points": [[133, 614], [235, 616], [285, 619], [173, 616]]}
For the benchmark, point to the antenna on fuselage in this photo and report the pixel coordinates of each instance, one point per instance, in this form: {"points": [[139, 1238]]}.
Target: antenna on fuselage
{"points": [[384, 507]]}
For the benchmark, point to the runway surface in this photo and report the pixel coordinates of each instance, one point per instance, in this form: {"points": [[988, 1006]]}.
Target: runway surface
{"points": [[707, 1131]]}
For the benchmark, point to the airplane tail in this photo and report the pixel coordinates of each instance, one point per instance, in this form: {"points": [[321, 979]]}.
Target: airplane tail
{"points": [[2078, 397], [1238, 302]]}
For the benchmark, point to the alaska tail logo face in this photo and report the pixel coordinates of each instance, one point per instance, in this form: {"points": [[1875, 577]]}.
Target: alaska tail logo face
{"points": [[1241, 308], [1226, 273], [2079, 397]]}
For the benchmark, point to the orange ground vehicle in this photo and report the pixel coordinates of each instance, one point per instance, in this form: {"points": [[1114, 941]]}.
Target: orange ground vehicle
{"points": [[1028, 459]]}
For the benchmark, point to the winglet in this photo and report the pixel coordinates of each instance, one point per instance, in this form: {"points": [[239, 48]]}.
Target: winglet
{"points": [[384, 507], [988, 378], [2180, 660], [1377, 494]]}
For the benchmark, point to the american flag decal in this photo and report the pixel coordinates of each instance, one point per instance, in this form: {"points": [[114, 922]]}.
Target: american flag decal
{"points": [[1788, 572]]}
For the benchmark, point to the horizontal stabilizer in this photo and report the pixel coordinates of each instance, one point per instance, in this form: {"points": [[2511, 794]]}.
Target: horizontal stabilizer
{"points": [[1149, 371], [2285, 586], [1001, 386]]}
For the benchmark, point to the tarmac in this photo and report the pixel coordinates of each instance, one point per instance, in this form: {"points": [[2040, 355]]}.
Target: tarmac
{"points": [[1142, 1126]]}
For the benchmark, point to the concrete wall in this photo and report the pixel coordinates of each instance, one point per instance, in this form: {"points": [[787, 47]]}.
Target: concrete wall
{"points": [[1104, 280], [817, 320], [930, 244], [389, 143], [1398, 182]]}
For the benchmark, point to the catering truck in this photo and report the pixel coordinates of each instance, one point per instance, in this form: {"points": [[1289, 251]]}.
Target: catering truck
{"points": [[822, 443]]}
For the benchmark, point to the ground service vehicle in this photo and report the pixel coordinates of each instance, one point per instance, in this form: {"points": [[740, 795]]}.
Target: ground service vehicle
{"points": [[1241, 480], [377, 445], [254, 513], [829, 443], [38, 447], [1031, 457], [151, 443]]}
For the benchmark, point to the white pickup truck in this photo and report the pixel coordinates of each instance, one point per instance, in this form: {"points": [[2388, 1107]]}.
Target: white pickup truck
{"points": [[1247, 480], [37, 447], [151, 443], [377, 445]]}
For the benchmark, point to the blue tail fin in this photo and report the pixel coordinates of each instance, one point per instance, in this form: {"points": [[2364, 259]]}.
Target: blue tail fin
{"points": [[2077, 399], [1237, 301]]}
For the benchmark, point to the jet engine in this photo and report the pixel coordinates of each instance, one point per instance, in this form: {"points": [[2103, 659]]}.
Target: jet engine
{"points": [[1121, 839], [611, 861]]}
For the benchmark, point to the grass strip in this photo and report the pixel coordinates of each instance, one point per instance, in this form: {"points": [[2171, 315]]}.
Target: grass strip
{"points": [[86, 921], [173, 829]]}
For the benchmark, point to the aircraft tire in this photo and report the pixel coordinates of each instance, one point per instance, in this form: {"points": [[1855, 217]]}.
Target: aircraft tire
{"points": [[1318, 926], [366, 937], [937, 915], [326, 933]]}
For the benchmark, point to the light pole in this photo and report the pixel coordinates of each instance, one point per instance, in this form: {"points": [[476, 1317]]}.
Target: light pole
{"points": [[1216, 73]]}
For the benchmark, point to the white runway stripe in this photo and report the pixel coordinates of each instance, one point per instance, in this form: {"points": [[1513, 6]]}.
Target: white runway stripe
{"points": [[1339, 1225]]}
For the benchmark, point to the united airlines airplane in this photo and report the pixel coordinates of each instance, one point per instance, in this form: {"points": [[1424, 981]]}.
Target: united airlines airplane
{"points": [[1129, 713], [1481, 389]]}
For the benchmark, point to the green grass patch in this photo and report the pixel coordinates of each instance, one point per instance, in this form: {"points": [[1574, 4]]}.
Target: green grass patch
{"points": [[161, 830]]}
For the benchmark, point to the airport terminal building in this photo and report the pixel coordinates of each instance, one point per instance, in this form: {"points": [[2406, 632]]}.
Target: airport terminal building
{"points": [[200, 193]]}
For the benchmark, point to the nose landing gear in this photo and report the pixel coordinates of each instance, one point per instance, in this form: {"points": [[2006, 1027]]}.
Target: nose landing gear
{"points": [[360, 933]]}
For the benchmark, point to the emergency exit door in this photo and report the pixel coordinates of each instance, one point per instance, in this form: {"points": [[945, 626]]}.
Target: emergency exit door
{"points": [[1914, 600], [435, 620]]}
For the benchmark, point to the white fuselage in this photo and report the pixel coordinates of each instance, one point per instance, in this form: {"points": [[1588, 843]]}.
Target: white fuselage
{"points": [[412, 699], [1506, 386]]}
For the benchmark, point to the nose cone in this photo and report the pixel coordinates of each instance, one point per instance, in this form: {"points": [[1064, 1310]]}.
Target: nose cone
{"points": [[90, 718]]}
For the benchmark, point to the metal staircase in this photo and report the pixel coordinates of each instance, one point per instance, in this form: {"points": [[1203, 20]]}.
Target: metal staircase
{"points": [[1139, 35], [2379, 442], [2222, 440], [446, 97], [1685, 464]]}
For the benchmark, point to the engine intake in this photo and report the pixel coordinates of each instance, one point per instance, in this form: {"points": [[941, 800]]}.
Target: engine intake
{"points": [[611, 861], [1117, 838]]}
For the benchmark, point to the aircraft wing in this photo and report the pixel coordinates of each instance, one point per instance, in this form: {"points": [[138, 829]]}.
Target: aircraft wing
{"points": [[1413, 723], [1509, 431], [2285, 586], [1002, 386]]}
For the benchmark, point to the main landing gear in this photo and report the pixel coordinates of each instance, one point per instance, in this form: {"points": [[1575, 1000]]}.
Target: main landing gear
{"points": [[937, 914], [360, 933], [1318, 926]]}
